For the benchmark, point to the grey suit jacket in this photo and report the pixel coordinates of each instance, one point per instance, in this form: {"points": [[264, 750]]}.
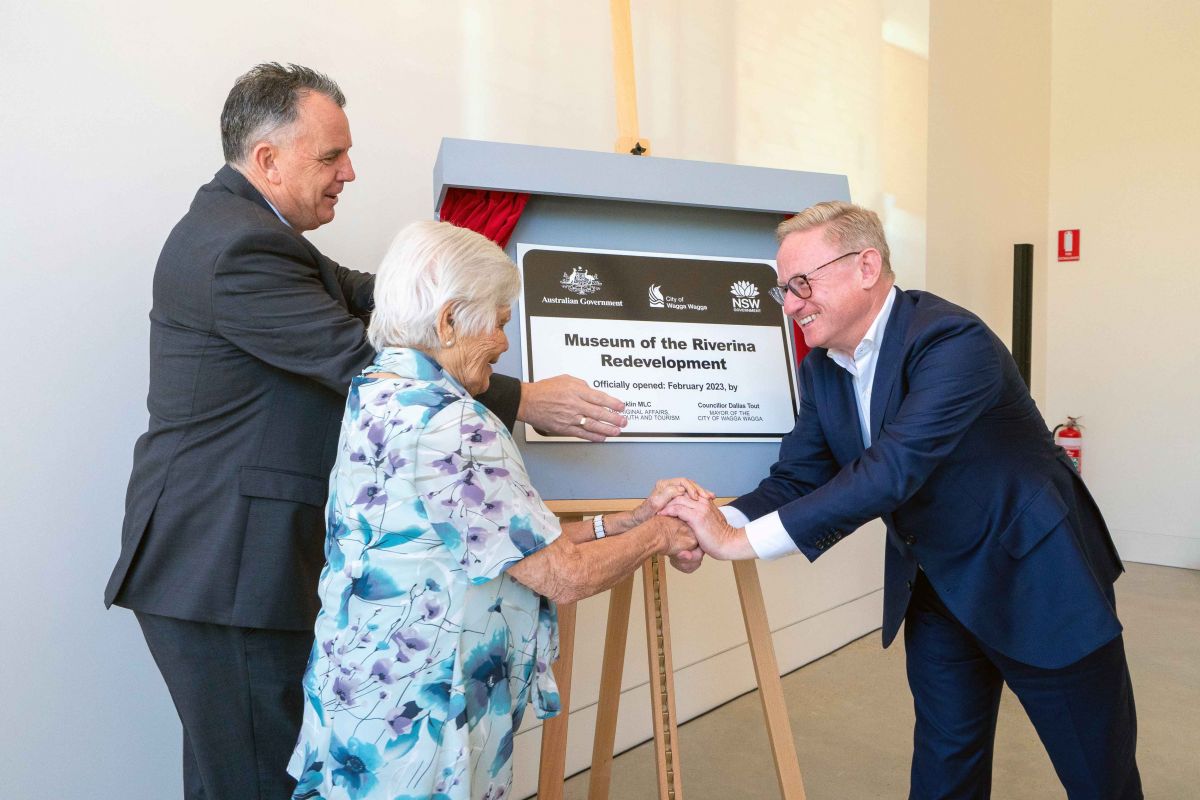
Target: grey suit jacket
{"points": [[254, 338]]}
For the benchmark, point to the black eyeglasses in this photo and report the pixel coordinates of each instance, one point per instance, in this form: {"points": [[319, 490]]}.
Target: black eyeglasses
{"points": [[799, 285]]}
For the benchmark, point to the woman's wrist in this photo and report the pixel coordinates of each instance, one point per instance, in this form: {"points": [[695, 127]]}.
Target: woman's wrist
{"points": [[619, 522], [652, 536]]}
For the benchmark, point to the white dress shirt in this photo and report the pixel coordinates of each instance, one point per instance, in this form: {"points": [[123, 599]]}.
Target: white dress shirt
{"points": [[766, 534], [276, 210]]}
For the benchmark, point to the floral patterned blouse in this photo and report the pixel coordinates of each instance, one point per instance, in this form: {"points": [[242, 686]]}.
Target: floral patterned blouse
{"points": [[426, 650]]}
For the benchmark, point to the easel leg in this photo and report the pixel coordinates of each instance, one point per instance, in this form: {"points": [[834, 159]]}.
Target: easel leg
{"points": [[553, 768], [766, 669], [613, 665], [662, 680]]}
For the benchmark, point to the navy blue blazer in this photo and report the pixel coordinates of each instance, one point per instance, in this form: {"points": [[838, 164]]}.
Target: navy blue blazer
{"points": [[967, 480]]}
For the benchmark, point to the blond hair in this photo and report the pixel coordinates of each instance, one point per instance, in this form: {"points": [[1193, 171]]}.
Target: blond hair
{"points": [[846, 225]]}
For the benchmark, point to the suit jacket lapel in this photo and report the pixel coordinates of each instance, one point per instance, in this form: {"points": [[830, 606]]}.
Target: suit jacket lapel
{"points": [[887, 367], [836, 388]]}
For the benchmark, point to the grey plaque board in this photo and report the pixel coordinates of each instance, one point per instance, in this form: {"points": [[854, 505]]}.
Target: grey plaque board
{"points": [[640, 203]]}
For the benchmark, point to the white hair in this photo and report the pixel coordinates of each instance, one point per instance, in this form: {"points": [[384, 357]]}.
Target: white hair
{"points": [[428, 265]]}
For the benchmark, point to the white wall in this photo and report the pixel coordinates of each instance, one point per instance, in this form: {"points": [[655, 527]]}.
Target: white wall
{"points": [[1122, 341], [1076, 114], [109, 124], [989, 150], [904, 200]]}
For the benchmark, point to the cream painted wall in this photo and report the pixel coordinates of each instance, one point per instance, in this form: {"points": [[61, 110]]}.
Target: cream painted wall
{"points": [[809, 79], [1121, 342], [905, 123], [989, 150], [1082, 115], [110, 124]]}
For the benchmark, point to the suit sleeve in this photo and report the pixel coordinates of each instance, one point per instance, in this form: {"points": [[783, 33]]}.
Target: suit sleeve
{"points": [[268, 299], [359, 289], [953, 375], [805, 461], [503, 398]]}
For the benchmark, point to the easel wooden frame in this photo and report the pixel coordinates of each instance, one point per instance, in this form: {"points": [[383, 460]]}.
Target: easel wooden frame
{"points": [[552, 769]]}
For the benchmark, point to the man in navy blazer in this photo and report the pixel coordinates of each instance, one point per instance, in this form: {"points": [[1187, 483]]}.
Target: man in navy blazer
{"points": [[997, 558], [254, 338]]}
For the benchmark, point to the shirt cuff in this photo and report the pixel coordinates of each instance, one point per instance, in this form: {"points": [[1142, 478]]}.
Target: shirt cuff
{"points": [[766, 535], [734, 516]]}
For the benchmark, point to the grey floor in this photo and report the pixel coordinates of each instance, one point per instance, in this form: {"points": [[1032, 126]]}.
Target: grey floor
{"points": [[852, 718]]}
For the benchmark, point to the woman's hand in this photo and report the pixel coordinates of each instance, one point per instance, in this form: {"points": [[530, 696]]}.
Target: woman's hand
{"points": [[688, 561], [713, 533], [566, 571], [664, 492], [676, 536]]}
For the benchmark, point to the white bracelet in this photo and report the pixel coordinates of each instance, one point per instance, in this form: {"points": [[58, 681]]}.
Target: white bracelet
{"points": [[598, 526]]}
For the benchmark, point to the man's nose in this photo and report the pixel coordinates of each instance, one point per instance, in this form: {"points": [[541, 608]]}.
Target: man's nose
{"points": [[792, 305], [346, 173]]}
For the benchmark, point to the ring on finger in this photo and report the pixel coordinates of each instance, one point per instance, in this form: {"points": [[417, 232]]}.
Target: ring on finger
{"points": [[583, 422]]}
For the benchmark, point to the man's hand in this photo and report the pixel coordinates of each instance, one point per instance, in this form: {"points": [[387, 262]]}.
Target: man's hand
{"points": [[566, 406], [713, 533]]}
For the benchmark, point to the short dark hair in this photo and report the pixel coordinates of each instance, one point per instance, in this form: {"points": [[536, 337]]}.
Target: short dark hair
{"points": [[266, 99]]}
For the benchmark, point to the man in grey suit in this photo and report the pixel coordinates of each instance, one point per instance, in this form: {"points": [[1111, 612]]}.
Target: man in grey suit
{"points": [[254, 338]]}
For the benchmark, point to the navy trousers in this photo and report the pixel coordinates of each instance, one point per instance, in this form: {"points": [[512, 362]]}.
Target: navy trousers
{"points": [[239, 697], [1083, 713]]}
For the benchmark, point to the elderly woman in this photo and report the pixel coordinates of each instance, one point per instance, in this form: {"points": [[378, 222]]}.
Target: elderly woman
{"points": [[438, 621]]}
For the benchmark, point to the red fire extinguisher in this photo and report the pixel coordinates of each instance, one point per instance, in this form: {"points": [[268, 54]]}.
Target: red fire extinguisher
{"points": [[1069, 437]]}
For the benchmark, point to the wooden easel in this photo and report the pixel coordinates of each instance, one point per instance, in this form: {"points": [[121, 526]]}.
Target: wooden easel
{"points": [[662, 685]]}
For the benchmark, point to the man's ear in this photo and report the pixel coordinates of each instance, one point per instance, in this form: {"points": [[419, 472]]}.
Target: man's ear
{"points": [[262, 159], [871, 267]]}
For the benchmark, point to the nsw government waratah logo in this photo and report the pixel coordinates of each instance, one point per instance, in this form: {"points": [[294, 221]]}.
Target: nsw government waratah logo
{"points": [[655, 296], [580, 281], [745, 296]]}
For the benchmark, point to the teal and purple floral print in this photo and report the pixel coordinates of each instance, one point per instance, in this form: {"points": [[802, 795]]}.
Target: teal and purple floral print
{"points": [[426, 651]]}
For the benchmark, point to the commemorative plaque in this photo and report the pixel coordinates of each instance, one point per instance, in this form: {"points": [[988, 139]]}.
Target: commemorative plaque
{"points": [[693, 345]]}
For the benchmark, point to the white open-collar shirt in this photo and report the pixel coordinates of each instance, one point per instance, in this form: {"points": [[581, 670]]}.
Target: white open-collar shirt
{"points": [[766, 534]]}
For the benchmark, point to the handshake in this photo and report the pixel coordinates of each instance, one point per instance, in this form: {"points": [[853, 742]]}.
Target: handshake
{"points": [[691, 524]]}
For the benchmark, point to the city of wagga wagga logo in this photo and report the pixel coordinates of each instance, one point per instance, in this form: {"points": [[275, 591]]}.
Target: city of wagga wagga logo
{"points": [[656, 296], [580, 281], [745, 296], [659, 300]]}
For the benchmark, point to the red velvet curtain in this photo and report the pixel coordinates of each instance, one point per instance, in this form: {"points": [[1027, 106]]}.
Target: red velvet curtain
{"points": [[797, 336], [801, 347], [494, 214]]}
